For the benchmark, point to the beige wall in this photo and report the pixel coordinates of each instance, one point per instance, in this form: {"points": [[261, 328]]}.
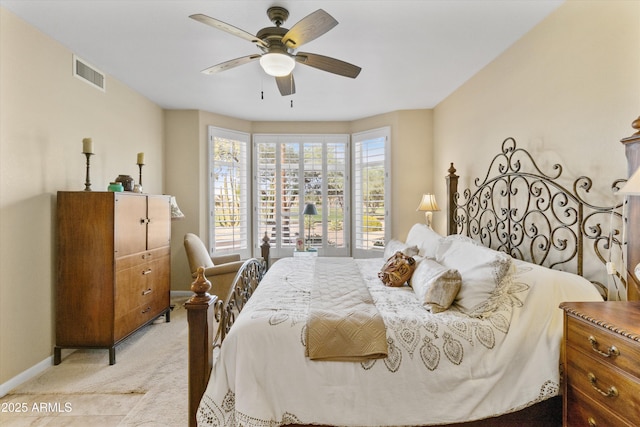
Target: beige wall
{"points": [[45, 113], [186, 173], [567, 91]]}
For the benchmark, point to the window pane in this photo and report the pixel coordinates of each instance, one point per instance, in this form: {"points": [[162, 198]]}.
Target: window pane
{"points": [[312, 193], [369, 189], [229, 192], [289, 183], [336, 213], [266, 187]]}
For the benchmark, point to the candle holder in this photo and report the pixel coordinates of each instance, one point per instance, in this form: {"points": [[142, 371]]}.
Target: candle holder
{"points": [[140, 165], [87, 181]]}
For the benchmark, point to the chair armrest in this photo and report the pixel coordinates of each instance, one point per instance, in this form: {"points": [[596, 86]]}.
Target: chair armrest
{"points": [[224, 259], [230, 267]]}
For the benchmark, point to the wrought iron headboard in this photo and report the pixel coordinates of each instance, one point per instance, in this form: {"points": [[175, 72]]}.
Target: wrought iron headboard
{"points": [[518, 209]]}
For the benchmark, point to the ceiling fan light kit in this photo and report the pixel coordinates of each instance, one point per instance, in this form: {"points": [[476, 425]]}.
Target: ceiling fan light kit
{"points": [[277, 64], [279, 46]]}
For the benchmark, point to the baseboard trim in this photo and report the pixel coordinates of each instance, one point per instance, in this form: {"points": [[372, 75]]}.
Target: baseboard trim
{"points": [[25, 376], [181, 293]]}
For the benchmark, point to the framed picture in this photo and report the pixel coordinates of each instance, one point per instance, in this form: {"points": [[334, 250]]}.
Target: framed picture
{"points": [[300, 244]]}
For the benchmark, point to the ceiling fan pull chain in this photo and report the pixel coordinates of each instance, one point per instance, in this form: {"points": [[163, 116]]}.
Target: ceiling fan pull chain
{"points": [[292, 103]]}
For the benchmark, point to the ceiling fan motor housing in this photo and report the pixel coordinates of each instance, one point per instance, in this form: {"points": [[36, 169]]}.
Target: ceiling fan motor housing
{"points": [[278, 15], [273, 37]]}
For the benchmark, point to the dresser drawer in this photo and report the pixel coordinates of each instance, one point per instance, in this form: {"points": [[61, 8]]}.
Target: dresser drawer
{"points": [[141, 258], [140, 315], [583, 411], [607, 386], [137, 285], [599, 342]]}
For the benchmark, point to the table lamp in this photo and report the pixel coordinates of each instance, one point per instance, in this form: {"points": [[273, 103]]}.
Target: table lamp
{"points": [[309, 209], [428, 205]]}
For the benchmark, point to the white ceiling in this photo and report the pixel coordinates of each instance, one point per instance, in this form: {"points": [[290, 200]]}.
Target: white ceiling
{"points": [[413, 54]]}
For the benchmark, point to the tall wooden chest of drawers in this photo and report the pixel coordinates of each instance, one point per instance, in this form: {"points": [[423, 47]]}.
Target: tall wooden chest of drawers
{"points": [[601, 363], [113, 267]]}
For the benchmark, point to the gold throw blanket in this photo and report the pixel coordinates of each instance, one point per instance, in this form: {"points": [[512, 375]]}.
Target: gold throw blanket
{"points": [[344, 323]]}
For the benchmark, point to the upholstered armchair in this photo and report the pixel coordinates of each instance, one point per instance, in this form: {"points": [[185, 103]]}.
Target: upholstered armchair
{"points": [[219, 270]]}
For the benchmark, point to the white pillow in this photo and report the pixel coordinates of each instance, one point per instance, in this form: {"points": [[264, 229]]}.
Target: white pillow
{"points": [[393, 246], [435, 285], [425, 238], [482, 270]]}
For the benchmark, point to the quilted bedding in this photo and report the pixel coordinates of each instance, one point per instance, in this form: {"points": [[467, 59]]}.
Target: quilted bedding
{"points": [[440, 367], [343, 323]]}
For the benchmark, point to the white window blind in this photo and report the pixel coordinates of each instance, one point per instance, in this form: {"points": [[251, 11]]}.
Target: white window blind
{"points": [[229, 192], [371, 184], [292, 170]]}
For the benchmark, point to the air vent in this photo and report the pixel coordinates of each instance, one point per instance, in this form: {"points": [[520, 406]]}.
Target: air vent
{"points": [[88, 73]]}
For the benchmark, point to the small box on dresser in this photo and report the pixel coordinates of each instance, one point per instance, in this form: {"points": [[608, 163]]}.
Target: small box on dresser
{"points": [[113, 267], [601, 382]]}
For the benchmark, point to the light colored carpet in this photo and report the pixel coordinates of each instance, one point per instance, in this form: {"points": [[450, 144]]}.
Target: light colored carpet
{"points": [[146, 387]]}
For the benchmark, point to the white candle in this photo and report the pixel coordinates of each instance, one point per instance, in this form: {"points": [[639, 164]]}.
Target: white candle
{"points": [[87, 145], [141, 158]]}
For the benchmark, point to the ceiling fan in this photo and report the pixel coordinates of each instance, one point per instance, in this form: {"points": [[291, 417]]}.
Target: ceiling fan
{"points": [[279, 47]]}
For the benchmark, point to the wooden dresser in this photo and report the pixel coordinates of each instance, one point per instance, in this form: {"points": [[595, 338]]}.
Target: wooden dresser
{"points": [[113, 267], [601, 384]]}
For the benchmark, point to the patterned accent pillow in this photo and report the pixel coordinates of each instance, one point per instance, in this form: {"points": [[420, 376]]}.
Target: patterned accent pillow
{"points": [[482, 270], [435, 285], [397, 270]]}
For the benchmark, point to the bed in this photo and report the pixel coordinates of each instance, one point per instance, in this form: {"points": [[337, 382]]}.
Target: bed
{"points": [[518, 244]]}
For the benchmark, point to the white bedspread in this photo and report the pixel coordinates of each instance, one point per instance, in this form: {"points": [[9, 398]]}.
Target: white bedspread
{"points": [[441, 368]]}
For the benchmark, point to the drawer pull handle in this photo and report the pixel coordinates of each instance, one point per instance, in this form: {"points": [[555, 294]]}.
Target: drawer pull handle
{"points": [[146, 310], [147, 271], [611, 351], [592, 422], [612, 392], [147, 292], [145, 256]]}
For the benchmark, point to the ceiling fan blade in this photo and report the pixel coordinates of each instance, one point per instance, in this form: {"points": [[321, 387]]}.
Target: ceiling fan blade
{"points": [[309, 28], [215, 23], [230, 64], [286, 85], [326, 63]]}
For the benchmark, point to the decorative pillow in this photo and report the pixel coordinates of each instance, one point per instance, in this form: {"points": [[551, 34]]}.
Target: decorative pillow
{"points": [[393, 246], [482, 269], [435, 285], [425, 238], [397, 270]]}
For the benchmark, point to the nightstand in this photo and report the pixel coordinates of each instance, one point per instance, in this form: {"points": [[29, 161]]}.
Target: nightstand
{"points": [[305, 253], [601, 383]]}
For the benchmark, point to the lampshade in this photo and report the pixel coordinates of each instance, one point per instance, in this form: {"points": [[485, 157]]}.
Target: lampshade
{"points": [[310, 209], [632, 187], [176, 213], [428, 203], [277, 64]]}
